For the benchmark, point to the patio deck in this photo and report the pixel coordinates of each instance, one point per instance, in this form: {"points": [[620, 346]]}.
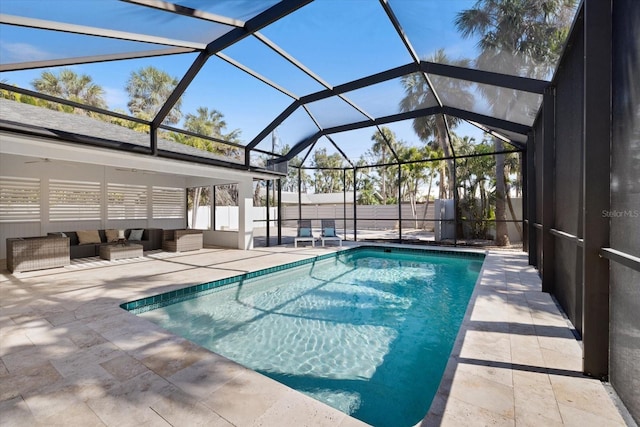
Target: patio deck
{"points": [[71, 356]]}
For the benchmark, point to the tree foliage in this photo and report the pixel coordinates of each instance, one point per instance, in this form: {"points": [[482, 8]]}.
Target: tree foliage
{"points": [[328, 178], [209, 123], [433, 128], [148, 90], [290, 183], [520, 37], [67, 84], [383, 151], [476, 187]]}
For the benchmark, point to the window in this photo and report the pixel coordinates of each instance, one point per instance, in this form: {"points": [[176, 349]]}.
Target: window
{"points": [[199, 208], [74, 200], [168, 203], [226, 207], [126, 201], [19, 199]]}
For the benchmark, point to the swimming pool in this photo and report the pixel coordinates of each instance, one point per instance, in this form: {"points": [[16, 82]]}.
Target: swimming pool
{"points": [[367, 331]]}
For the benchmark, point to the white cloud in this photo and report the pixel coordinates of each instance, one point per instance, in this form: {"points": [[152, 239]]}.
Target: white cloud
{"points": [[22, 52]]}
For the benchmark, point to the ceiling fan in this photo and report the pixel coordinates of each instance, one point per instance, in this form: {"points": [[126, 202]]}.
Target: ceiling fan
{"points": [[144, 171], [42, 160]]}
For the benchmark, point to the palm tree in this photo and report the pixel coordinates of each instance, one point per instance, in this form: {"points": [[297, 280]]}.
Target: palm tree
{"points": [[148, 90], [512, 167], [475, 180], [206, 123], [69, 85], [418, 95], [380, 149], [212, 124], [519, 37]]}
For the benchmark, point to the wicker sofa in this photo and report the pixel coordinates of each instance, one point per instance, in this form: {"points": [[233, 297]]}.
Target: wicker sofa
{"points": [[151, 240], [37, 253], [182, 240]]}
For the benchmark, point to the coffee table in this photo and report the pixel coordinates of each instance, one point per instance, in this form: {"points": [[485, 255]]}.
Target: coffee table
{"points": [[120, 251]]}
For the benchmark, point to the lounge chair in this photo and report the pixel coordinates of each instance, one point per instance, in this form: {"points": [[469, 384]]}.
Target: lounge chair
{"points": [[329, 231], [305, 233]]}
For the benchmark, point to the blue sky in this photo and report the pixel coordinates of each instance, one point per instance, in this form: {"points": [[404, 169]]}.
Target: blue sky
{"points": [[339, 40]]}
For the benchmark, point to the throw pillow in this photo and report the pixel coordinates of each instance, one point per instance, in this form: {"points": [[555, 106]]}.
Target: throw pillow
{"points": [[136, 235], [329, 232], [112, 235], [305, 232], [86, 237]]}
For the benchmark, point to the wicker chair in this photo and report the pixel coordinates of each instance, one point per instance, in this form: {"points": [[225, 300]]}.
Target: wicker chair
{"points": [[182, 240], [37, 253]]}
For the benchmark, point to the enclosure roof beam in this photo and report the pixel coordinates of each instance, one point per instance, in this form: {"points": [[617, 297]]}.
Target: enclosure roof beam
{"points": [[383, 76], [337, 147], [296, 149], [30, 65], [396, 25], [255, 75], [56, 135], [388, 143], [306, 156], [187, 11], [70, 103], [412, 52], [485, 77], [274, 124], [43, 24], [487, 120], [256, 23], [358, 125], [466, 115], [436, 159], [517, 144], [384, 120], [289, 58]]}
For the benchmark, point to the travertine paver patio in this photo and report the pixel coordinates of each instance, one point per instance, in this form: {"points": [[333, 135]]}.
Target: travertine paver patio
{"points": [[70, 356]]}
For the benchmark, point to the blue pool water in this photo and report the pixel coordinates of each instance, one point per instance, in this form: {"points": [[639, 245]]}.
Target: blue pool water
{"points": [[367, 332]]}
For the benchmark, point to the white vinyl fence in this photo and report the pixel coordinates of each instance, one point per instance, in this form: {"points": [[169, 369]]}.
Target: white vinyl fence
{"points": [[372, 217], [227, 217]]}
